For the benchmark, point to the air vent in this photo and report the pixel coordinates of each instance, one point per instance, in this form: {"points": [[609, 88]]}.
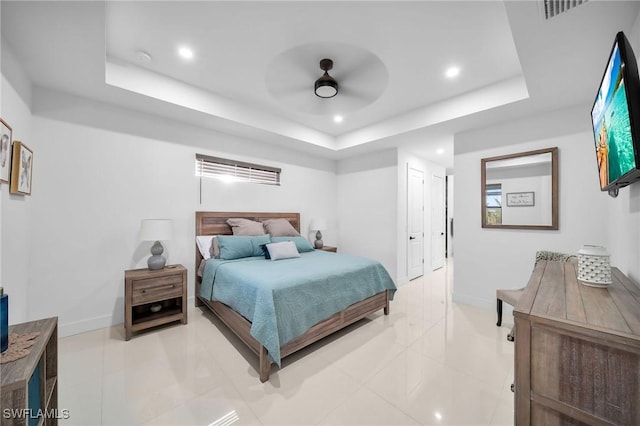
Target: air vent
{"points": [[553, 8]]}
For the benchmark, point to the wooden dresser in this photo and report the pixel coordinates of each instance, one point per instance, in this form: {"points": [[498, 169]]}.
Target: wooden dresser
{"points": [[577, 350]]}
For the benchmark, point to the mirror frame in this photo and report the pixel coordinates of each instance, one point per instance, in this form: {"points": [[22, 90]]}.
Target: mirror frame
{"points": [[554, 189]]}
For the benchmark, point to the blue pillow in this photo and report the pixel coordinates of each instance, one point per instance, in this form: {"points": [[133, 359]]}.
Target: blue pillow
{"points": [[302, 244], [239, 246]]}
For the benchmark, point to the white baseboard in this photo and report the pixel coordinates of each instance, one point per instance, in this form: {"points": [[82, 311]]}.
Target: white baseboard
{"points": [[482, 303], [473, 301], [90, 324], [402, 281], [77, 327]]}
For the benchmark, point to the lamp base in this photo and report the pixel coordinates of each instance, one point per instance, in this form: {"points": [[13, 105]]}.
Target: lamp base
{"points": [[156, 261], [318, 242]]}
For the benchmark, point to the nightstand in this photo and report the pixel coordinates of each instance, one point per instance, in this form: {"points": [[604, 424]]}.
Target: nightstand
{"points": [[329, 248], [153, 298]]}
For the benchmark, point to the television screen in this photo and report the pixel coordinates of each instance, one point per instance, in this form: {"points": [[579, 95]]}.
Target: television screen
{"points": [[612, 118]]}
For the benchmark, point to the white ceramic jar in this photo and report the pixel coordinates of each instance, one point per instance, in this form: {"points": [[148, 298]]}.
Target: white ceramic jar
{"points": [[594, 267]]}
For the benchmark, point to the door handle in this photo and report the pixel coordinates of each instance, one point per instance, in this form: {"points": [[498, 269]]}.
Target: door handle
{"points": [[412, 238]]}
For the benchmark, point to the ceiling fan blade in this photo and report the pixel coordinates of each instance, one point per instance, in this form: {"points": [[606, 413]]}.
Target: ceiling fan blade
{"points": [[359, 93], [288, 90], [359, 68]]}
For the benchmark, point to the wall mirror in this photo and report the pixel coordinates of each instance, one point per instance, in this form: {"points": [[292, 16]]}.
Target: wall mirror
{"points": [[520, 191]]}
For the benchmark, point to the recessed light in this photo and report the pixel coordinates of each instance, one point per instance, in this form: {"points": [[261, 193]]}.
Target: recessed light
{"points": [[338, 118], [440, 151], [185, 52], [452, 72]]}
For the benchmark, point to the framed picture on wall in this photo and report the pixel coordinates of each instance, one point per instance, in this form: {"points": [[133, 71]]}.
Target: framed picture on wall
{"points": [[21, 169], [521, 199], [5, 151]]}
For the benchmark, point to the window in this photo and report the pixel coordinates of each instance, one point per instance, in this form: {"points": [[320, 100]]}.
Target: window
{"points": [[236, 171], [494, 195], [493, 203]]}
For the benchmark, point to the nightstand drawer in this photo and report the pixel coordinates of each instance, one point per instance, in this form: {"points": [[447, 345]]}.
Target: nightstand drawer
{"points": [[152, 289]]}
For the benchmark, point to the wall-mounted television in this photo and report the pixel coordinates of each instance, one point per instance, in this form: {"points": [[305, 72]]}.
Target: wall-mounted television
{"points": [[615, 117]]}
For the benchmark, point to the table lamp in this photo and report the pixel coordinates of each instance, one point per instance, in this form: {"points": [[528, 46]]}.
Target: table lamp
{"points": [[156, 230], [318, 225]]}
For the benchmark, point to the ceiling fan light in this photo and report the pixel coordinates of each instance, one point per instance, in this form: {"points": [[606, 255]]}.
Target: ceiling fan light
{"points": [[326, 86]]}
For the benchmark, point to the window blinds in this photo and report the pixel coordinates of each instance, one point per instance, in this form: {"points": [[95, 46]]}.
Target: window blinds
{"points": [[222, 168]]}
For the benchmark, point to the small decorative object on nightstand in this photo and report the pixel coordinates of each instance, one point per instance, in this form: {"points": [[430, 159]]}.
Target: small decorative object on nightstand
{"points": [[156, 230], [329, 248], [154, 297], [318, 225]]}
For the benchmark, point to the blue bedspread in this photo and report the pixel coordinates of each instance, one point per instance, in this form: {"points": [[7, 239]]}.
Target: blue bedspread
{"points": [[284, 298]]}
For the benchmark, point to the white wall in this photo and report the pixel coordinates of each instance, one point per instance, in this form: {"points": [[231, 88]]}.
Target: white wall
{"points": [[91, 189], [16, 211], [367, 207], [487, 259]]}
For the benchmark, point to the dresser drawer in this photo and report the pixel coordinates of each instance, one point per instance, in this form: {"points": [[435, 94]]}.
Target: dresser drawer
{"points": [[152, 289]]}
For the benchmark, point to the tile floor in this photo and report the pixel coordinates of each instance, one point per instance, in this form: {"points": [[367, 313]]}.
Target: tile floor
{"points": [[429, 362]]}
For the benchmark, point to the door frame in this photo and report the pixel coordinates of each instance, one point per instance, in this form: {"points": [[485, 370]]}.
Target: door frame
{"points": [[440, 204], [407, 232]]}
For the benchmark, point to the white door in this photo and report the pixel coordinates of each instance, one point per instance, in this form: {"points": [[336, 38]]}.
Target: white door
{"points": [[415, 223], [437, 222]]}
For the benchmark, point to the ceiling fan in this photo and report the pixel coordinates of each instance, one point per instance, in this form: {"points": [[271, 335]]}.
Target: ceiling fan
{"points": [[326, 86], [357, 79]]}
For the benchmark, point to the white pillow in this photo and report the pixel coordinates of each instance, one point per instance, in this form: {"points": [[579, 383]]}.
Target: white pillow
{"points": [[204, 243], [283, 250]]}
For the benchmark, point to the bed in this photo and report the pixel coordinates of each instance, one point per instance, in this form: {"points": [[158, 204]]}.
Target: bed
{"points": [[373, 292]]}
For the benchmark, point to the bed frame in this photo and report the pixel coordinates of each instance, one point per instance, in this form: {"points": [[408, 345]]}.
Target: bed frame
{"points": [[215, 223]]}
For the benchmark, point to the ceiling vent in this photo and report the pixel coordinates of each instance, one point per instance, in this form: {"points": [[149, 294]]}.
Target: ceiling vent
{"points": [[553, 8]]}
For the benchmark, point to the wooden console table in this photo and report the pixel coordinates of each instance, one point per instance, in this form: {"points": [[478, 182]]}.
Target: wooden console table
{"points": [[29, 389], [577, 350]]}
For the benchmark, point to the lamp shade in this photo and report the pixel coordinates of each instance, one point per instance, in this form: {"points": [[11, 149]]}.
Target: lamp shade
{"points": [[156, 230], [318, 225]]}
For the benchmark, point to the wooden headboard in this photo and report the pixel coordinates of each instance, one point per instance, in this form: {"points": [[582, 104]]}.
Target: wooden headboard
{"points": [[215, 223]]}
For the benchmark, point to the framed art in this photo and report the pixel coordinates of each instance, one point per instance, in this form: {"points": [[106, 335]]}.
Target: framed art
{"points": [[521, 199], [21, 169], [5, 151]]}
